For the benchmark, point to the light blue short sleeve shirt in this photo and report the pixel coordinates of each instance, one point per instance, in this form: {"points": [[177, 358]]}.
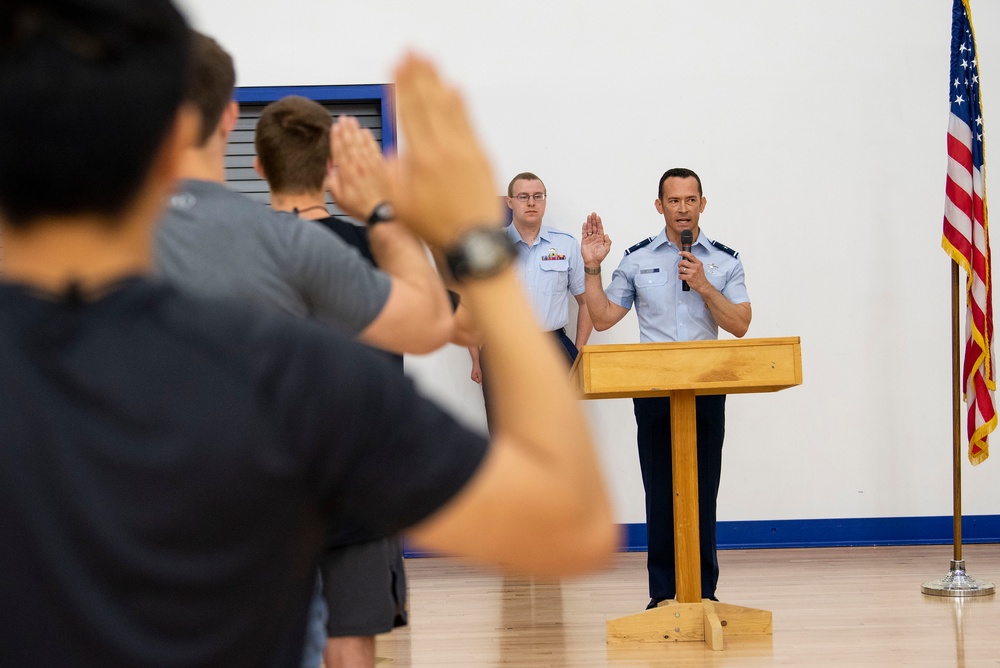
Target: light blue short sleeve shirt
{"points": [[549, 270], [647, 277]]}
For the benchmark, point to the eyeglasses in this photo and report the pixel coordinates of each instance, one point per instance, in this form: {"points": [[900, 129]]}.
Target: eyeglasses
{"points": [[524, 197]]}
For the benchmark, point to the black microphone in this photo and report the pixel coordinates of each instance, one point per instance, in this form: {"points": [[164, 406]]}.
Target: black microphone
{"points": [[686, 239]]}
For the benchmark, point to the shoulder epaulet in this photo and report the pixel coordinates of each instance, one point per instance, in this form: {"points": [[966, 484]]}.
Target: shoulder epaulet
{"points": [[644, 242], [725, 249]]}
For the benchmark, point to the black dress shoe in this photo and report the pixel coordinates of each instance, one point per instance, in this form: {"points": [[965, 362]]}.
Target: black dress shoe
{"points": [[654, 602]]}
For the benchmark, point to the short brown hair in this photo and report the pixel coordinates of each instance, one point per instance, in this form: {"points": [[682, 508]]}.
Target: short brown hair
{"points": [[678, 173], [211, 80], [293, 144], [523, 176]]}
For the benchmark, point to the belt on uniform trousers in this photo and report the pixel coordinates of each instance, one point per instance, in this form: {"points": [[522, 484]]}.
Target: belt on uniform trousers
{"points": [[560, 331]]}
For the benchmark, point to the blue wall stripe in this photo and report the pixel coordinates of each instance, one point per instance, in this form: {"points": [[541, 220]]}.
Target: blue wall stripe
{"points": [[849, 532], [857, 531]]}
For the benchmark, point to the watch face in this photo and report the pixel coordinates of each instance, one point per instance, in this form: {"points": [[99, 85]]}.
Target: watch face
{"points": [[481, 254], [383, 212]]}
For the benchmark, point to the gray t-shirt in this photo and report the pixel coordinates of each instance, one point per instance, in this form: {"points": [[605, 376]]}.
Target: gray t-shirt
{"points": [[219, 243]]}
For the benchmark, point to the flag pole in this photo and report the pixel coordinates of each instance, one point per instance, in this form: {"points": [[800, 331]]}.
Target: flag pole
{"points": [[957, 583], [956, 414]]}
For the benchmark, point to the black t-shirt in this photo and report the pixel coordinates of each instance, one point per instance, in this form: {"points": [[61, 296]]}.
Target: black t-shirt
{"points": [[357, 237], [167, 466], [353, 235]]}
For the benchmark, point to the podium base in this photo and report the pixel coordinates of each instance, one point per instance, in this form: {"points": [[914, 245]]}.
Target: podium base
{"points": [[958, 583], [705, 620]]}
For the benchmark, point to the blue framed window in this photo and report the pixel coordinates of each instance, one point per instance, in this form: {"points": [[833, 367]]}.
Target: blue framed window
{"points": [[371, 104]]}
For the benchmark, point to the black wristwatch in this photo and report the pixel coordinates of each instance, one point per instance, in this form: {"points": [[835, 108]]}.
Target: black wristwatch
{"points": [[480, 253], [382, 213]]}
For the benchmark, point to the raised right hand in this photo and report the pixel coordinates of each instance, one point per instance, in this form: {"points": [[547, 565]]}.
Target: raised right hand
{"points": [[444, 185], [358, 181], [594, 243]]}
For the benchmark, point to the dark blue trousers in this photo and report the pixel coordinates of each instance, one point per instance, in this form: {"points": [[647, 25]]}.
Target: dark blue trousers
{"points": [[652, 417], [564, 342]]}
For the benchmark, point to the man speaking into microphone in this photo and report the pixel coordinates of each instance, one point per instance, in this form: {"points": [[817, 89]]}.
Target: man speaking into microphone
{"points": [[685, 286]]}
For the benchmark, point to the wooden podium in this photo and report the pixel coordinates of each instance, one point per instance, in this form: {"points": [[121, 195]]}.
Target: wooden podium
{"points": [[683, 371]]}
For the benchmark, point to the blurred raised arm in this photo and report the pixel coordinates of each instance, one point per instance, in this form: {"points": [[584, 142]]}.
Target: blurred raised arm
{"points": [[538, 503]]}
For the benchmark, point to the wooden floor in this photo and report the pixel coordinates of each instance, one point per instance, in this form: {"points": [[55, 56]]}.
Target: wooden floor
{"points": [[831, 607]]}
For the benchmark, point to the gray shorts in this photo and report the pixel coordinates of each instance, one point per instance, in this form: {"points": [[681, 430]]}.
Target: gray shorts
{"points": [[364, 586]]}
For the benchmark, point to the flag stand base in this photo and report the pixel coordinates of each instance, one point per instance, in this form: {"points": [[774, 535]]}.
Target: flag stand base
{"points": [[958, 583]]}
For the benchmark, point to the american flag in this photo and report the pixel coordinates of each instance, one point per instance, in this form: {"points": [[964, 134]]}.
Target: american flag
{"points": [[966, 238]]}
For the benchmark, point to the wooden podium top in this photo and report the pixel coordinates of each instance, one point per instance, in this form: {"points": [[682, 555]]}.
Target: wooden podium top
{"points": [[730, 366]]}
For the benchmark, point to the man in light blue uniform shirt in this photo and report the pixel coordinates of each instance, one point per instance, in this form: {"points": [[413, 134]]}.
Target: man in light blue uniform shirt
{"points": [[549, 266], [652, 276]]}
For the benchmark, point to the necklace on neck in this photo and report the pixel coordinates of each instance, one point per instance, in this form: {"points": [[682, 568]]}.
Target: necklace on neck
{"points": [[297, 211]]}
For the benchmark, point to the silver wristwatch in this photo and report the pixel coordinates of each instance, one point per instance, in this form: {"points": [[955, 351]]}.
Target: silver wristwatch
{"points": [[382, 213], [480, 253]]}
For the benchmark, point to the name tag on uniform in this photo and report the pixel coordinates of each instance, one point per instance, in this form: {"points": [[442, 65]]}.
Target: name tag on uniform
{"points": [[655, 270], [553, 255]]}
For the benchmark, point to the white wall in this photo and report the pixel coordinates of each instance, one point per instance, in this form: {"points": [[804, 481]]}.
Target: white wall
{"points": [[819, 132]]}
